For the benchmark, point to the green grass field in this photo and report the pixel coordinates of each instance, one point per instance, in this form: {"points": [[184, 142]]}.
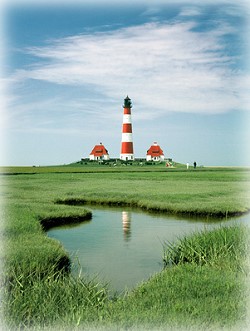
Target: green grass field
{"points": [[39, 289]]}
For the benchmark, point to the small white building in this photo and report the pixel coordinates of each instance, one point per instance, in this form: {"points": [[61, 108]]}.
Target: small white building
{"points": [[155, 153], [99, 152]]}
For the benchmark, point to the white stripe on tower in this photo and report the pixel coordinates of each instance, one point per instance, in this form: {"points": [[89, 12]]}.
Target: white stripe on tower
{"points": [[127, 151], [127, 137]]}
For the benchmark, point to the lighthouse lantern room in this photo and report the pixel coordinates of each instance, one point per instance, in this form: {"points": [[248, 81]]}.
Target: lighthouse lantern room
{"points": [[127, 150]]}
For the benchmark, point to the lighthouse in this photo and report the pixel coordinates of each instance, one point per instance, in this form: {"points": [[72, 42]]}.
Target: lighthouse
{"points": [[127, 151]]}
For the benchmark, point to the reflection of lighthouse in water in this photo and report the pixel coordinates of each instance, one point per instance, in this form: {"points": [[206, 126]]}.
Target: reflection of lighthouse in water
{"points": [[126, 224]]}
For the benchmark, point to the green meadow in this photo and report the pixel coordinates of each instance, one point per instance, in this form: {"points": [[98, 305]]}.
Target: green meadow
{"points": [[203, 285]]}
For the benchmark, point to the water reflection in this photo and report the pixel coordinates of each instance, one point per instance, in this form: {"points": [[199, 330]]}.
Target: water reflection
{"points": [[107, 249], [126, 224]]}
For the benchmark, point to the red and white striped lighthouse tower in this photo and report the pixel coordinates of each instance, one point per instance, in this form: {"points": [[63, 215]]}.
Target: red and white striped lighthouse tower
{"points": [[127, 151]]}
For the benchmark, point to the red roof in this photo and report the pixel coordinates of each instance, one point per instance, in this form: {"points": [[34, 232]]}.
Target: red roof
{"points": [[99, 150], [155, 150]]}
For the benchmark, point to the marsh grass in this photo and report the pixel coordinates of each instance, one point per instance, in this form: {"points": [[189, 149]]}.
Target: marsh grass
{"points": [[186, 295], [204, 286], [54, 297], [221, 193], [39, 289], [51, 220], [194, 293], [224, 248]]}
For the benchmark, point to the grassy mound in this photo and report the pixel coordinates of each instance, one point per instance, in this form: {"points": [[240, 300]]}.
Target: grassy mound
{"points": [[223, 247]]}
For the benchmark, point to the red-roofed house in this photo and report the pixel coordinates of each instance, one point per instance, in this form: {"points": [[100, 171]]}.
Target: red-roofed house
{"points": [[155, 153], [99, 152]]}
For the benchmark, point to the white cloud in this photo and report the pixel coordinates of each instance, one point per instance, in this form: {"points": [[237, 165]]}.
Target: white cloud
{"points": [[165, 67]]}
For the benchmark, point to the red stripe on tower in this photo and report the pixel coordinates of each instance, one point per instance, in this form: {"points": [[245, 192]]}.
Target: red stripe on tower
{"points": [[127, 150]]}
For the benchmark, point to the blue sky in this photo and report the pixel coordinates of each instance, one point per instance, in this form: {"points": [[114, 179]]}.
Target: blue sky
{"points": [[68, 67]]}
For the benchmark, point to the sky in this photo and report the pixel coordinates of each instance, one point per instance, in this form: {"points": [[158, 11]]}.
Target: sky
{"points": [[67, 67]]}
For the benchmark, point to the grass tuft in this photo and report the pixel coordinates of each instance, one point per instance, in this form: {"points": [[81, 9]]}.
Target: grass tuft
{"points": [[222, 247]]}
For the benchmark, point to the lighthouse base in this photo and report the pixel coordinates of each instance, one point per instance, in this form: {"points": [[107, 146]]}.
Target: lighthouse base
{"points": [[127, 157]]}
